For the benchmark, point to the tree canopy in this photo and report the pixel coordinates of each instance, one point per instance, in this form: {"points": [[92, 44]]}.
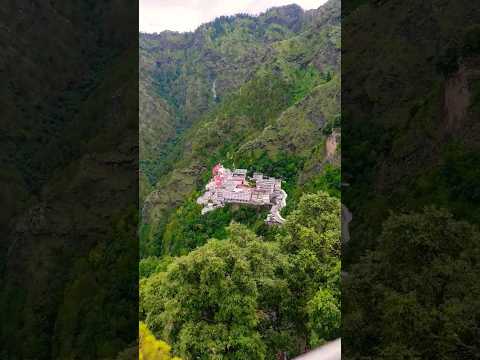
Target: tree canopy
{"points": [[417, 295], [150, 348], [247, 298]]}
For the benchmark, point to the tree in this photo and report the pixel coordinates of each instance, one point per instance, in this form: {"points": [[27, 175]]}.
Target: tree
{"points": [[150, 348], [312, 241], [471, 45], [210, 303], [417, 295], [314, 226], [324, 317], [89, 323], [152, 264], [247, 298]]}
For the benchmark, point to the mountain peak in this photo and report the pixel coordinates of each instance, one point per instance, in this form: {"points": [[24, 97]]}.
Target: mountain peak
{"points": [[286, 9], [290, 16]]}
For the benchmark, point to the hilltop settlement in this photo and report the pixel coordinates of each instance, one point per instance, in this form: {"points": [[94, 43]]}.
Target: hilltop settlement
{"points": [[234, 187]]}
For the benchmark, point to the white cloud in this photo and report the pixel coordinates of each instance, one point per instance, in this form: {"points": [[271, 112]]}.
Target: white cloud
{"points": [[187, 15]]}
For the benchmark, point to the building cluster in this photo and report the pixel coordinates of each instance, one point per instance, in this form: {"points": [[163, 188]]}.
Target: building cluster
{"points": [[233, 186]]}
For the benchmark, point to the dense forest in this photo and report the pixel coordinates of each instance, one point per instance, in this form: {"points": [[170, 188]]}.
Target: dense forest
{"points": [[261, 93], [68, 184], [411, 135]]}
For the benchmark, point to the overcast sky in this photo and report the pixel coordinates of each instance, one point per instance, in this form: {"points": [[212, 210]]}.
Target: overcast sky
{"points": [[187, 15]]}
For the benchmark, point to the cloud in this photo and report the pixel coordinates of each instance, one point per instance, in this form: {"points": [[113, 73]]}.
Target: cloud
{"points": [[187, 15]]}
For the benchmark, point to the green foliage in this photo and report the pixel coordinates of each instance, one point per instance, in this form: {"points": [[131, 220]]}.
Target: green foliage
{"points": [[147, 247], [277, 95], [90, 324], [278, 284], [453, 184], [314, 226], [328, 181], [152, 264], [312, 241], [188, 229], [284, 167], [149, 348], [416, 294], [276, 32], [471, 44], [196, 316], [305, 81], [279, 292], [221, 137], [281, 98], [155, 168], [240, 115], [334, 123], [324, 314], [412, 295]]}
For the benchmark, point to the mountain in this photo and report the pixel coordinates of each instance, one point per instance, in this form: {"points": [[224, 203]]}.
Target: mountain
{"points": [[410, 93], [192, 72], [415, 112], [261, 92], [68, 154]]}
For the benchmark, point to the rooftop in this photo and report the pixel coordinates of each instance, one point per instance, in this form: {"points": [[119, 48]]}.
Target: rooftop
{"points": [[233, 186]]}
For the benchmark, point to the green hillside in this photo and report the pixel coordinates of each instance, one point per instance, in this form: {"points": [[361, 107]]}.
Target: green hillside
{"points": [[261, 93], [410, 99], [276, 121], [69, 165]]}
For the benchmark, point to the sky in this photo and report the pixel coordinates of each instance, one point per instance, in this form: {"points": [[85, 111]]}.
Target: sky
{"points": [[187, 15]]}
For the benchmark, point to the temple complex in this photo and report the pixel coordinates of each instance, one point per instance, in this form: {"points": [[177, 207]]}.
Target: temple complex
{"points": [[233, 186]]}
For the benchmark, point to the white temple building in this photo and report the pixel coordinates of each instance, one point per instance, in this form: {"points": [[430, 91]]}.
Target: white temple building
{"points": [[235, 187]]}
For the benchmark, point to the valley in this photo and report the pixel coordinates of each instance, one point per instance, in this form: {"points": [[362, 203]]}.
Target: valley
{"points": [[250, 92]]}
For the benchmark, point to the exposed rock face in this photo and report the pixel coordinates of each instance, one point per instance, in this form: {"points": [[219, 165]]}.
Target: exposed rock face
{"points": [[346, 219], [458, 100], [331, 145]]}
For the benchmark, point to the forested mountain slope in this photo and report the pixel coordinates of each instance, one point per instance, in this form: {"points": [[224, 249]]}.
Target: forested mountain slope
{"points": [[422, 122], [410, 95], [37, 106], [67, 149], [262, 93], [275, 116], [192, 72]]}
